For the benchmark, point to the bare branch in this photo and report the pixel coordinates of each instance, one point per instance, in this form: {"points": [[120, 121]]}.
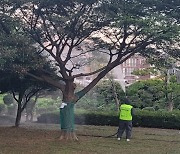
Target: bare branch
{"points": [[88, 74]]}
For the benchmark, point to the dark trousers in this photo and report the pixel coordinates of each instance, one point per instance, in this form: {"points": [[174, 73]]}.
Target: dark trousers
{"points": [[125, 125]]}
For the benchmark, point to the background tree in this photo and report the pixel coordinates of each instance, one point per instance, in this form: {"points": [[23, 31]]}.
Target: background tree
{"points": [[147, 93], [22, 87], [164, 64], [105, 94], [17, 56], [164, 67], [116, 29], [10, 103], [151, 93], [43, 100]]}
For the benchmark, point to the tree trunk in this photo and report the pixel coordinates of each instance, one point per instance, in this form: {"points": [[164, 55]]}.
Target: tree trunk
{"points": [[170, 103], [67, 122], [19, 109], [170, 106], [18, 116], [30, 109], [115, 94]]}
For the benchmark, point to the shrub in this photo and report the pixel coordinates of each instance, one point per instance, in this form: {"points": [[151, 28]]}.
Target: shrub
{"points": [[158, 119], [49, 118], [43, 110], [46, 105], [149, 109], [8, 99], [97, 118], [155, 119]]}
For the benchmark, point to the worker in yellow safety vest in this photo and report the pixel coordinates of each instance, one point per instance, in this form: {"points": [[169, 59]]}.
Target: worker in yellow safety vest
{"points": [[125, 120]]}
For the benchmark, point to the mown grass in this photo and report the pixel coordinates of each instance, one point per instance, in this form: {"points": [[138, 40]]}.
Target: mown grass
{"points": [[43, 139]]}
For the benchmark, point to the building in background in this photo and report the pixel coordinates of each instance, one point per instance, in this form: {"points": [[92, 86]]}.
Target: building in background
{"points": [[136, 62], [123, 72]]}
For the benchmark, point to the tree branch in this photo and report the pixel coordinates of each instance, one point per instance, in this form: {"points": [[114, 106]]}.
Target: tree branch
{"points": [[49, 80]]}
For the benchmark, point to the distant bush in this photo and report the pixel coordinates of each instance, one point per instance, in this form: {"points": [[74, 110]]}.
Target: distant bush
{"points": [[46, 105], [144, 118], [43, 110], [97, 118], [149, 109], [162, 110], [52, 117], [157, 119], [8, 99]]}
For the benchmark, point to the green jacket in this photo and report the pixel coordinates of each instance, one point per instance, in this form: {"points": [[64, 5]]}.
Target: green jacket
{"points": [[125, 112]]}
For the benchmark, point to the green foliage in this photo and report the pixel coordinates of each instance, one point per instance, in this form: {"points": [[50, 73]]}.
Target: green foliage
{"points": [[148, 93], [18, 56], [46, 102], [101, 97], [154, 119], [83, 117], [146, 21], [45, 105], [143, 72], [158, 119], [88, 102], [97, 118], [8, 99], [148, 109], [49, 118], [17, 51], [142, 94], [104, 90]]}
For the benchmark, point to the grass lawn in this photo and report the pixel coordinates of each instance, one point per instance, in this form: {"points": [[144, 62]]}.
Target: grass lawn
{"points": [[42, 139]]}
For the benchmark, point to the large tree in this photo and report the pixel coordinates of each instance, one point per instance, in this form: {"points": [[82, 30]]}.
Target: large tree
{"points": [[69, 30]]}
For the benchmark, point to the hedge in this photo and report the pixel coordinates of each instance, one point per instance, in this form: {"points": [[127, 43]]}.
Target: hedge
{"points": [[157, 119], [153, 119]]}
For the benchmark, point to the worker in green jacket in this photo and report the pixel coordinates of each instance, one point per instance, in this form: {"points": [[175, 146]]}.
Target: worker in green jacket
{"points": [[125, 120]]}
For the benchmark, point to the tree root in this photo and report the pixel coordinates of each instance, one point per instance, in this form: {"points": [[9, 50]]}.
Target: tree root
{"points": [[68, 136]]}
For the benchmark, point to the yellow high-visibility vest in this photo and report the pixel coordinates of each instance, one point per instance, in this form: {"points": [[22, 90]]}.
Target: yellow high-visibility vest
{"points": [[125, 112]]}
